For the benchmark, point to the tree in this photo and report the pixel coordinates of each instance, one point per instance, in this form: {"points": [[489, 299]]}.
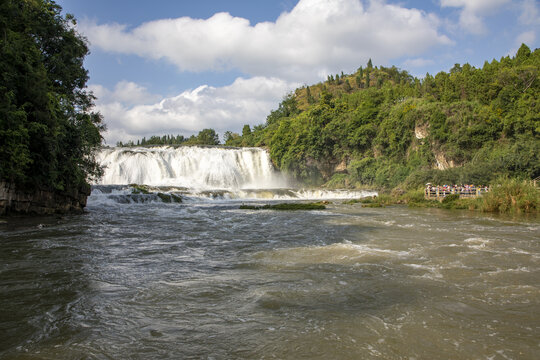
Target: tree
{"points": [[367, 77], [309, 97], [523, 53], [369, 64], [246, 130], [48, 132], [347, 85], [207, 137], [358, 81]]}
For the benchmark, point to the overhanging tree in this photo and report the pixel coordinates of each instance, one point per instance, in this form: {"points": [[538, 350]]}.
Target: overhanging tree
{"points": [[48, 131]]}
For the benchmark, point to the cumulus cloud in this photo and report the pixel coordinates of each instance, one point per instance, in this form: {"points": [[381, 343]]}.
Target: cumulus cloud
{"points": [[417, 62], [473, 12], [315, 38], [527, 37], [529, 12], [245, 101], [125, 92]]}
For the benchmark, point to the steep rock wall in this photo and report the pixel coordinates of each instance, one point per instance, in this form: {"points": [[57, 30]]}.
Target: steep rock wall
{"points": [[40, 201]]}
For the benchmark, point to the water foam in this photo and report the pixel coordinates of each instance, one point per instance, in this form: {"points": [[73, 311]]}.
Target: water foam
{"points": [[205, 173], [190, 167]]}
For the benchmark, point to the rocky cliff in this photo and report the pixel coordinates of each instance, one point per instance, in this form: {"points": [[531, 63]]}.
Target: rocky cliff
{"points": [[15, 200]]}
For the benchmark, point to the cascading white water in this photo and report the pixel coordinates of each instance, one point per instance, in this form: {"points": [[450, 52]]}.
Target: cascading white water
{"points": [[190, 167], [198, 172]]}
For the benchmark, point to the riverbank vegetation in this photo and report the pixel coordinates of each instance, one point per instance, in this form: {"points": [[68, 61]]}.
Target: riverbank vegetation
{"points": [[383, 128], [48, 130], [507, 195]]}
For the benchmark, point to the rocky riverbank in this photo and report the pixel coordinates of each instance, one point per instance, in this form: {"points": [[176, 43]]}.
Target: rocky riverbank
{"points": [[14, 200]]}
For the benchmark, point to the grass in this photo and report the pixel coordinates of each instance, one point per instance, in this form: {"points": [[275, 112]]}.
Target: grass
{"points": [[511, 196], [506, 196]]}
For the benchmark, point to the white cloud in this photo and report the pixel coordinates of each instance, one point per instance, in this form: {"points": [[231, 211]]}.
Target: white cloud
{"points": [[529, 12], [246, 101], [417, 62], [315, 38], [125, 92], [526, 38], [473, 11]]}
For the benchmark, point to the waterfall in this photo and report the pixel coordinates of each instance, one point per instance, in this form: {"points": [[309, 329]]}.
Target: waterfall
{"points": [[190, 167]]}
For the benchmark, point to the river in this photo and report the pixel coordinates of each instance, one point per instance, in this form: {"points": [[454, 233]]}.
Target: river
{"points": [[205, 280]]}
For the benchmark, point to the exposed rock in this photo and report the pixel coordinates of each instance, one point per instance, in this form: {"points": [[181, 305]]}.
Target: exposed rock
{"points": [[41, 201], [442, 163], [421, 131], [341, 167]]}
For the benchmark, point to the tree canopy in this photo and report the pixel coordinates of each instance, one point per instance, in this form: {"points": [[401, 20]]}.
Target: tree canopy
{"points": [[204, 137], [48, 131], [381, 126]]}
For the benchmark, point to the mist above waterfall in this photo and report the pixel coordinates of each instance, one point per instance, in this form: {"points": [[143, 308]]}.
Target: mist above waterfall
{"points": [[190, 167]]}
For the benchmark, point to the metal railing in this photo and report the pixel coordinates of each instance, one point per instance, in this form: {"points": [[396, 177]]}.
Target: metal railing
{"points": [[440, 192]]}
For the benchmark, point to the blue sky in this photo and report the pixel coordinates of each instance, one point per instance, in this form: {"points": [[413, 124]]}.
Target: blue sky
{"points": [[176, 67]]}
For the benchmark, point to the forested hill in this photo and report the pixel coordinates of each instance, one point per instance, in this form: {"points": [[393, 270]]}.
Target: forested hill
{"points": [[382, 127]]}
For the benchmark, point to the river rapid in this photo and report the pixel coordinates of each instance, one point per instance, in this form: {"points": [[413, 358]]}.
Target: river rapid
{"points": [[205, 280]]}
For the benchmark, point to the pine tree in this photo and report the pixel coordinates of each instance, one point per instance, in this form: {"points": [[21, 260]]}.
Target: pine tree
{"points": [[358, 81], [347, 86]]}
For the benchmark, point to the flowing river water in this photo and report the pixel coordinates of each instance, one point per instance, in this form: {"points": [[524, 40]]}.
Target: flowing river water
{"points": [[138, 278], [206, 280]]}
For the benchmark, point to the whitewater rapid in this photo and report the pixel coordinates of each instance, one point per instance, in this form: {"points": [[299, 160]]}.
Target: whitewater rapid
{"points": [[190, 167], [199, 173]]}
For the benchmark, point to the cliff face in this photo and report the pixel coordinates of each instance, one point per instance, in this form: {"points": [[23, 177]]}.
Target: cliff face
{"points": [[40, 201]]}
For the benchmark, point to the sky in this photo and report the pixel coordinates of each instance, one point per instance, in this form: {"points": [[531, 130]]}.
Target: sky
{"points": [[179, 66]]}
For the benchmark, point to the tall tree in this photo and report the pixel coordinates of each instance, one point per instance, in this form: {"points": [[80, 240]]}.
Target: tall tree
{"points": [[207, 137], [48, 131]]}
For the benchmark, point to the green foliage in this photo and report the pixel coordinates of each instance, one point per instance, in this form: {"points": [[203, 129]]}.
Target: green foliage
{"points": [[338, 181], [392, 129], [48, 131], [511, 195], [450, 198], [155, 140], [204, 137]]}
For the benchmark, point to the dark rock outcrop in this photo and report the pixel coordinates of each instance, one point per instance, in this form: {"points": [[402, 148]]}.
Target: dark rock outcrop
{"points": [[14, 200]]}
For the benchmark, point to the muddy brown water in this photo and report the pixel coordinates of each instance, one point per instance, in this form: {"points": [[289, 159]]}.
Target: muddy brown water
{"points": [[205, 280]]}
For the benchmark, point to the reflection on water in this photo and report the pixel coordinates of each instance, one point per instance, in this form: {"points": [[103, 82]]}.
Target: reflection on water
{"points": [[206, 280]]}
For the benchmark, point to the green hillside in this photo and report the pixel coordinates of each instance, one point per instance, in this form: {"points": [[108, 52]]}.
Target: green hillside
{"points": [[382, 127]]}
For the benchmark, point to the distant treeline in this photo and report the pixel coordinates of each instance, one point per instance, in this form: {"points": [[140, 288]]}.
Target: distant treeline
{"points": [[205, 137]]}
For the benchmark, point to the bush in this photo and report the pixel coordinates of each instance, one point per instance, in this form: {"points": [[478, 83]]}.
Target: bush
{"points": [[511, 195], [338, 181], [450, 198]]}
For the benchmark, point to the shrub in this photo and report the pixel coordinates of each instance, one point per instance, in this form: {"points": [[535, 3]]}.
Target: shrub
{"points": [[511, 195]]}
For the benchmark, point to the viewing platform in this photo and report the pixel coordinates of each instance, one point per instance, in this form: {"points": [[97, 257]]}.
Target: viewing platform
{"points": [[439, 192]]}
